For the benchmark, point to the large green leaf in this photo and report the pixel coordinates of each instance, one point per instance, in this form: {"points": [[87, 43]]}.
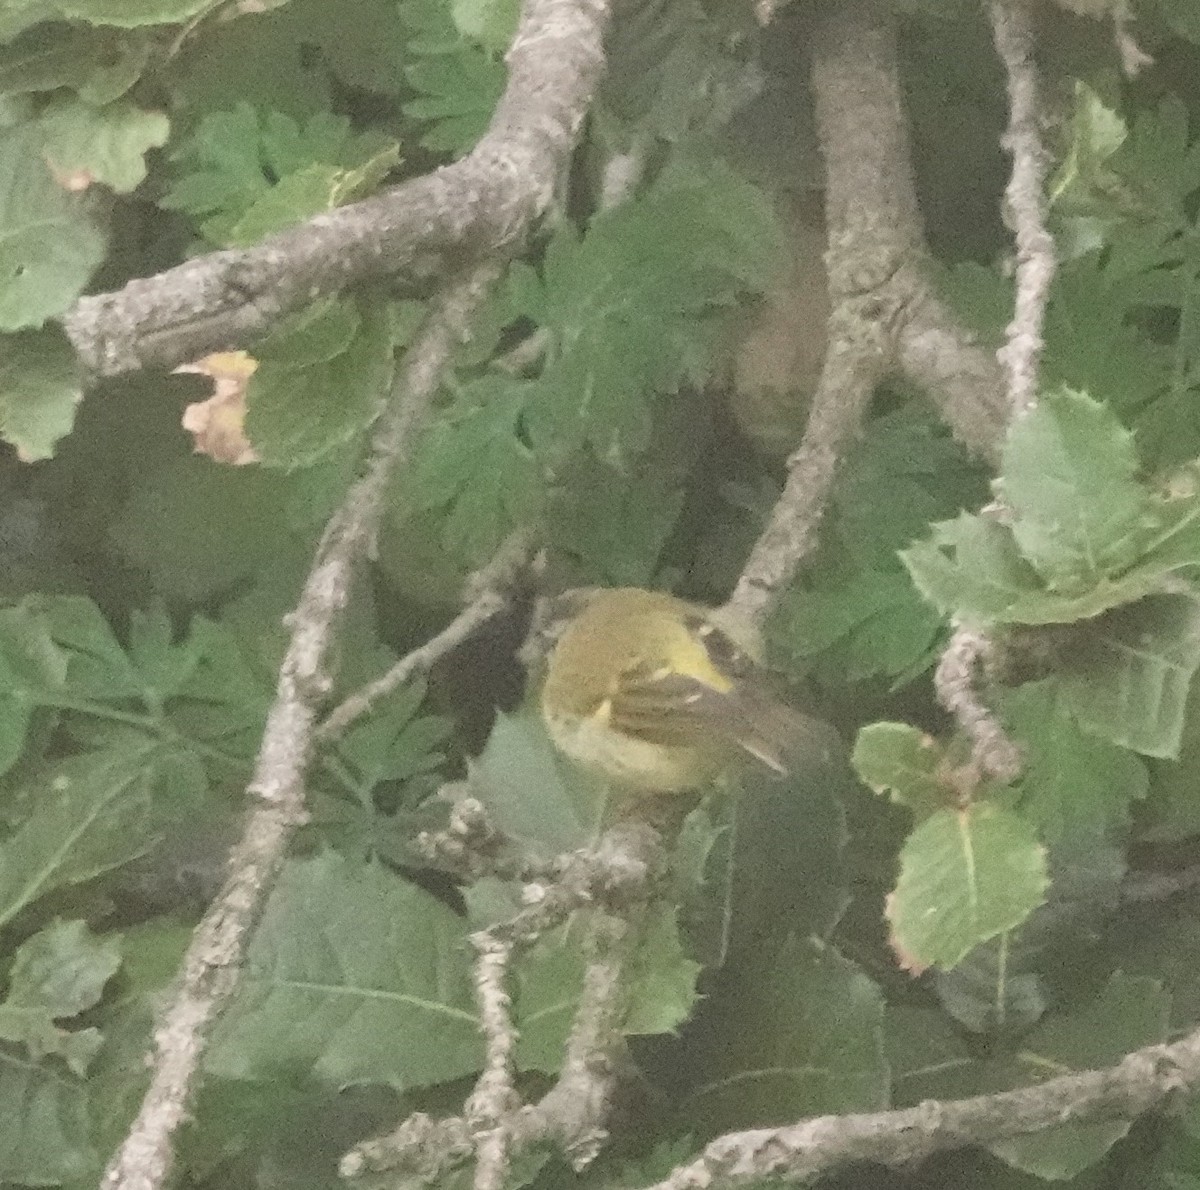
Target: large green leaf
{"points": [[30, 665], [907, 763], [1069, 479], [92, 813], [298, 413], [48, 243], [659, 982], [1128, 678], [531, 793], [354, 976], [965, 876], [40, 388], [57, 974], [804, 1037], [108, 144], [1072, 782], [45, 1127], [130, 13]]}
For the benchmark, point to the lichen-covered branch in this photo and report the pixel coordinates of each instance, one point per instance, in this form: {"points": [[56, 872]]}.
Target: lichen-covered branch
{"points": [[883, 314], [612, 882], [803, 1151], [992, 752], [431, 227], [1025, 198], [211, 966]]}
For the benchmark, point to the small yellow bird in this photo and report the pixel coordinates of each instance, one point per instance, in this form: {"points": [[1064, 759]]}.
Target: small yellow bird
{"points": [[660, 695]]}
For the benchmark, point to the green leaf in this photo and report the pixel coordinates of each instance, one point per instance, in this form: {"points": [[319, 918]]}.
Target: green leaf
{"points": [[163, 666], [988, 992], [40, 388], [1071, 781], [245, 173], [1097, 131], [57, 974], [675, 68], [491, 23], [661, 986], [905, 761], [31, 664], [118, 1077], [395, 742], [45, 1128], [130, 13], [804, 1039], [1069, 477], [48, 244], [457, 83], [1172, 808], [972, 568], [296, 416], [789, 863], [93, 813], [701, 864], [101, 144], [1182, 17], [530, 793], [97, 666], [906, 472], [356, 976], [305, 193], [965, 876], [474, 467], [1160, 166], [1130, 1013], [99, 64], [1127, 679], [626, 305], [662, 978], [853, 624], [929, 1056], [616, 524]]}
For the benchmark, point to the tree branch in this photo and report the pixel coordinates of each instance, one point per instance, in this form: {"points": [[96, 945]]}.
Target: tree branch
{"points": [[613, 881], [883, 313], [489, 594], [803, 1151], [1012, 28], [955, 681], [211, 966], [429, 227]]}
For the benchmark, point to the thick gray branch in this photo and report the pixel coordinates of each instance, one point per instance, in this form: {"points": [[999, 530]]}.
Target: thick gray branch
{"points": [[431, 227], [884, 315], [801, 1152]]}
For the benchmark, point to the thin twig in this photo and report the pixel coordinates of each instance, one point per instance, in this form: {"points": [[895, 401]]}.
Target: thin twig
{"points": [[494, 1098], [957, 679], [212, 964], [1025, 200], [614, 881], [959, 671], [489, 594]]}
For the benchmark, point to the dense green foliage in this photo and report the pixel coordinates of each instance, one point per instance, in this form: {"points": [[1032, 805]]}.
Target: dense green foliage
{"points": [[864, 936]]}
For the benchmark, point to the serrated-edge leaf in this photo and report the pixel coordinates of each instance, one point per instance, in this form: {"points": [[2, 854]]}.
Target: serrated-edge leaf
{"points": [[965, 876]]}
